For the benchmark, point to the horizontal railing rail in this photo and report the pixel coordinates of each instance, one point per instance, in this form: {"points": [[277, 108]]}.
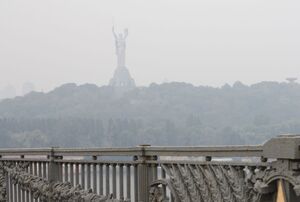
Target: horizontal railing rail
{"points": [[215, 151]]}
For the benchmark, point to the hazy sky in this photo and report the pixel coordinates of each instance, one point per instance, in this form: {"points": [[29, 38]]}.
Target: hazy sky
{"points": [[204, 42]]}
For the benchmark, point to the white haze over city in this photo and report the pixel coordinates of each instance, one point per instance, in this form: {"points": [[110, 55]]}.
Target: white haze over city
{"points": [[203, 42]]}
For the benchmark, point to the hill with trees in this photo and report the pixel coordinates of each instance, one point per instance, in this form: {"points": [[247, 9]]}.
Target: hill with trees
{"points": [[165, 114]]}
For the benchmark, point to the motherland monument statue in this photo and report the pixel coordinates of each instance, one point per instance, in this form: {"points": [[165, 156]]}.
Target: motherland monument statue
{"points": [[120, 43], [121, 76]]}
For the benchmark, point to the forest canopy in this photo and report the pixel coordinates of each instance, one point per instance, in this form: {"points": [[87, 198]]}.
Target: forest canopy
{"points": [[165, 114]]}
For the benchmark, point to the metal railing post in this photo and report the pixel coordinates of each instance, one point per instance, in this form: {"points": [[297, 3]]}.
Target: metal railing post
{"points": [[144, 172], [286, 150], [53, 172]]}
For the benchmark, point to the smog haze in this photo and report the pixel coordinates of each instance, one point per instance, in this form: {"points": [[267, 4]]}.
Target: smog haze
{"points": [[207, 42]]}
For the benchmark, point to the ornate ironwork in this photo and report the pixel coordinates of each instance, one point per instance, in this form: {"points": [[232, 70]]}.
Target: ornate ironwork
{"points": [[43, 190], [3, 195], [279, 170], [208, 183]]}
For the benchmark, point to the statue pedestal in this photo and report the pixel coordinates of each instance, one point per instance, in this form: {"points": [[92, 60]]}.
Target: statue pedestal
{"points": [[122, 78]]}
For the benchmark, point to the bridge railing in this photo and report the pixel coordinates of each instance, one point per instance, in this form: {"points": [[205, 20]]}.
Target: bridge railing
{"points": [[145, 173]]}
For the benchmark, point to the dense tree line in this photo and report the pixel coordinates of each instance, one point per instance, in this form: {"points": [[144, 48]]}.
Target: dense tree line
{"points": [[166, 114]]}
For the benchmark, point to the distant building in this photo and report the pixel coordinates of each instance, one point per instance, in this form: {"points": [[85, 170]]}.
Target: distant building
{"points": [[27, 88], [292, 79], [121, 77]]}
